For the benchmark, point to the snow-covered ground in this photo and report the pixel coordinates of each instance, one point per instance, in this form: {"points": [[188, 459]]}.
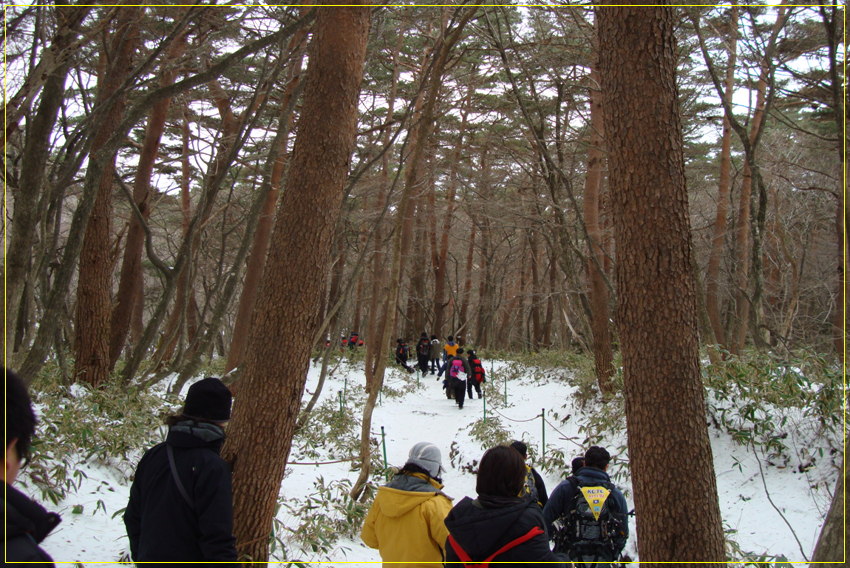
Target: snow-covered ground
{"points": [[96, 531]]}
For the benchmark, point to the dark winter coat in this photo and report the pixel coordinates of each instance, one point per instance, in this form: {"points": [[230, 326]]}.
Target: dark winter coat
{"points": [[160, 522], [481, 527], [562, 496], [27, 524]]}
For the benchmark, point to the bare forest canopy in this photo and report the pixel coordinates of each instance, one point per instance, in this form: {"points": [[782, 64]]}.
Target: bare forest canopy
{"points": [[147, 153]]}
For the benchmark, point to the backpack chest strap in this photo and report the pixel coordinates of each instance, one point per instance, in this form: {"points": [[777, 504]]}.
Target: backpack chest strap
{"points": [[467, 561]]}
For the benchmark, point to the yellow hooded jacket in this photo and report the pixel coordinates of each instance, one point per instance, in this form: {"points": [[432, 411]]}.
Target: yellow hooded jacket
{"points": [[408, 526]]}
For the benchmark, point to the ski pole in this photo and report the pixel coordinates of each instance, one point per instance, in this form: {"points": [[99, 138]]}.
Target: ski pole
{"points": [[384, 444]]}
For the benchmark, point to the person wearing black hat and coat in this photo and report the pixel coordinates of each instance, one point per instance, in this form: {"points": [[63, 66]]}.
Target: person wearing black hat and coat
{"points": [[27, 522], [181, 500], [500, 525]]}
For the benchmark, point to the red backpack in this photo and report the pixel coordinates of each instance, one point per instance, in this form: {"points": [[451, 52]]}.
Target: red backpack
{"points": [[467, 561], [478, 370]]}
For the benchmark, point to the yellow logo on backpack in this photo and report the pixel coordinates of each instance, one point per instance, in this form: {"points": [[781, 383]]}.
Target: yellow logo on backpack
{"points": [[595, 497]]}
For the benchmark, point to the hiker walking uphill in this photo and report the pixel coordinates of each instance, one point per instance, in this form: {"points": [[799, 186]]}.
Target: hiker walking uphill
{"points": [[586, 514], [499, 526], [478, 376], [436, 354], [181, 500], [406, 521], [450, 348], [27, 522], [456, 372], [423, 353], [402, 352]]}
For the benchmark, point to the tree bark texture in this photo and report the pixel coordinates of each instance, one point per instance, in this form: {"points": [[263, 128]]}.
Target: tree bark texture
{"points": [[600, 321], [664, 396], [830, 548], [275, 372], [94, 290]]}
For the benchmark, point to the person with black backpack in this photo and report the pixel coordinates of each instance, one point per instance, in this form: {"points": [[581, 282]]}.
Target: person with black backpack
{"points": [[423, 353], [181, 499], [500, 525], [586, 515]]}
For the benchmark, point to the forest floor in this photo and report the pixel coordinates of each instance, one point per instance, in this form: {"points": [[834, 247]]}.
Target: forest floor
{"points": [[317, 522]]}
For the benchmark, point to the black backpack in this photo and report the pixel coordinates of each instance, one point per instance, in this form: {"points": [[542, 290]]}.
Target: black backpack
{"points": [[424, 347], [584, 534]]}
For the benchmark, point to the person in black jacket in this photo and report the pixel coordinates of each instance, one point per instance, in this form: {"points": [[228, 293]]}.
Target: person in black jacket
{"points": [[181, 500], [423, 353], [534, 483], [500, 525], [27, 522]]}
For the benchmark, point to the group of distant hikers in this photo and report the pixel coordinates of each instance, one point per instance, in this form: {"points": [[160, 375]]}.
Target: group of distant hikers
{"points": [[461, 374], [181, 502]]}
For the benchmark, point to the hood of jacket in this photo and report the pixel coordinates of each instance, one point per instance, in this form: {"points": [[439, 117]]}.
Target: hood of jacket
{"points": [[406, 492], [477, 529], [191, 434], [25, 516]]}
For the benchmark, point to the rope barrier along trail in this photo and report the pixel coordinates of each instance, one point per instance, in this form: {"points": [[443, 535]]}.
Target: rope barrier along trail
{"points": [[563, 436], [511, 419], [352, 458]]}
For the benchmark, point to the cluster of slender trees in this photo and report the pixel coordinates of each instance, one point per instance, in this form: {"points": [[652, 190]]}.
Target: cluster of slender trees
{"points": [[193, 181]]}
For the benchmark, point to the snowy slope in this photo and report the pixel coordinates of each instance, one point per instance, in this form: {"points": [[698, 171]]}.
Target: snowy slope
{"points": [[424, 414]]}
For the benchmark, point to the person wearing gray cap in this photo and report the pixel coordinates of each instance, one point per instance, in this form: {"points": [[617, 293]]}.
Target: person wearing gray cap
{"points": [[405, 522]]}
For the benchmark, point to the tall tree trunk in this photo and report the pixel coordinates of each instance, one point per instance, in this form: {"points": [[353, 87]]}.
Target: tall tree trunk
{"points": [[599, 323], [257, 257], [94, 290], [830, 548], [131, 266], [712, 300], [657, 311], [535, 290], [467, 279], [274, 375], [18, 252]]}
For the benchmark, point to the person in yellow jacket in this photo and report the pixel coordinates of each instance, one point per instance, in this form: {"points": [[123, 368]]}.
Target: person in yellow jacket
{"points": [[406, 521]]}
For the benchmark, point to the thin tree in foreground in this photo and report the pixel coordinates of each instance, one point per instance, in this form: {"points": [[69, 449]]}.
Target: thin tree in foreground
{"points": [[265, 412], [670, 455]]}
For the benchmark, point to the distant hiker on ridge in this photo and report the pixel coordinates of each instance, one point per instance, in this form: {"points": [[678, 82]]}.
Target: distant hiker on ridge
{"points": [[436, 353], [423, 353], [450, 348]]}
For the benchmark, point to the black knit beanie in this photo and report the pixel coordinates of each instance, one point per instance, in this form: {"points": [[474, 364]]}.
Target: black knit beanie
{"points": [[209, 399]]}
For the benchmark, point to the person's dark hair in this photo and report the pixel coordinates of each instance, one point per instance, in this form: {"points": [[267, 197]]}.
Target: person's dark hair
{"points": [[460, 351], [20, 418], [596, 457], [577, 464], [433, 337], [520, 447], [451, 338], [501, 472], [413, 468]]}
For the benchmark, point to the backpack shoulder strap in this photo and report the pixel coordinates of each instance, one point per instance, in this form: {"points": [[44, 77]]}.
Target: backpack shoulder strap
{"points": [[179, 483], [467, 561]]}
